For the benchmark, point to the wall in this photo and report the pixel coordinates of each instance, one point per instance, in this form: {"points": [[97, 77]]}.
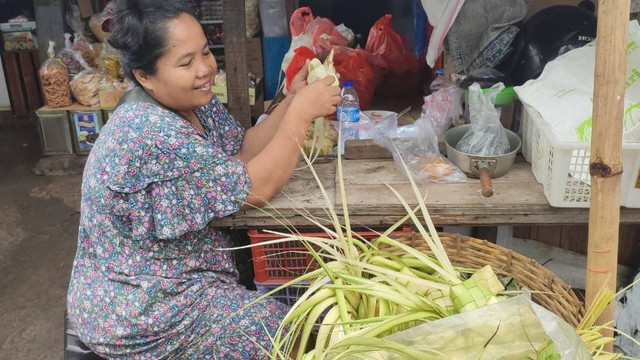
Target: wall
{"points": [[5, 103]]}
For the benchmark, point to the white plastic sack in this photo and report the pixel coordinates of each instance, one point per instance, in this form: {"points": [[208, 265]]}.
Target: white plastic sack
{"points": [[441, 14], [511, 329], [564, 91]]}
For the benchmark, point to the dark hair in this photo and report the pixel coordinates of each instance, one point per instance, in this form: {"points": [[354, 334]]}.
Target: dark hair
{"points": [[138, 29]]}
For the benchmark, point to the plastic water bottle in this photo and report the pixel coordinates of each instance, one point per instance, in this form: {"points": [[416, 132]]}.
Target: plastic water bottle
{"points": [[348, 112]]}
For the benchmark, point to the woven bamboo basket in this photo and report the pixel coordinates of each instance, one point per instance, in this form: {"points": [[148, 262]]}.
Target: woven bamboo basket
{"points": [[547, 289]]}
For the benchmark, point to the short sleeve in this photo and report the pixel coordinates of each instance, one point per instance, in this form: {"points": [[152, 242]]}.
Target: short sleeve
{"points": [[189, 202], [171, 171], [228, 133]]}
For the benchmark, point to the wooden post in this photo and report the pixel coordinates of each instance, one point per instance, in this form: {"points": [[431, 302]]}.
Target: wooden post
{"points": [[606, 149], [291, 7], [235, 51]]}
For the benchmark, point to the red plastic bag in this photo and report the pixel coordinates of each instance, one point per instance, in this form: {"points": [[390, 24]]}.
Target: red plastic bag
{"points": [[384, 42], [352, 64], [299, 21], [300, 56], [325, 36]]}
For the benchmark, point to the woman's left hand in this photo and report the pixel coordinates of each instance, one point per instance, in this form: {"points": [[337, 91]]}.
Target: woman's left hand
{"points": [[300, 80]]}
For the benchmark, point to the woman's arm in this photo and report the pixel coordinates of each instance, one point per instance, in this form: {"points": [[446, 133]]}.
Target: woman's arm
{"points": [[270, 169], [256, 138]]}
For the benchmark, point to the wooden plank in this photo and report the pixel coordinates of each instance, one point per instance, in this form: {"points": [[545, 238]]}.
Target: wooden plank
{"points": [[364, 149], [14, 83], [489, 233], [606, 152], [574, 238], [365, 180], [441, 216], [291, 7], [73, 107], [86, 9], [254, 57], [550, 235], [296, 193], [522, 232], [235, 47], [629, 247], [372, 204], [30, 80]]}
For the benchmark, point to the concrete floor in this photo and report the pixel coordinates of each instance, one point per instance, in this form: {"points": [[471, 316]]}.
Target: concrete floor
{"points": [[38, 230]]}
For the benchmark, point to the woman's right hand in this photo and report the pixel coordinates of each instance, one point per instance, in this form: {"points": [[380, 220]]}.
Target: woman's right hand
{"points": [[316, 100]]}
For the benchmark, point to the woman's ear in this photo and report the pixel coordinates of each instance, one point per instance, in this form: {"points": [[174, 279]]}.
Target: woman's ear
{"points": [[143, 79]]}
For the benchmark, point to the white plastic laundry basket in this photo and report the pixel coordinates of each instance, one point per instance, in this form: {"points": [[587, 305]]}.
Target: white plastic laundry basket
{"points": [[562, 167]]}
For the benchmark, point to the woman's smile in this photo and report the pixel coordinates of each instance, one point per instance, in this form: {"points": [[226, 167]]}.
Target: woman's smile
{"points": [[204, 87]]}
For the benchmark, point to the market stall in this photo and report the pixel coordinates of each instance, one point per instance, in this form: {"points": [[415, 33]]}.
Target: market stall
{"points": [[520, 199], [362, 190]]}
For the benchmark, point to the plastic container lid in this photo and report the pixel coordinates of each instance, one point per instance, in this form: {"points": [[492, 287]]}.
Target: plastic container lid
{"points": [[347, 83], [504, 97]]}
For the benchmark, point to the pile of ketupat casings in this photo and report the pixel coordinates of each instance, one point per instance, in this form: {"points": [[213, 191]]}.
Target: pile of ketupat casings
{"points": [[365, 290], [321, 136]]}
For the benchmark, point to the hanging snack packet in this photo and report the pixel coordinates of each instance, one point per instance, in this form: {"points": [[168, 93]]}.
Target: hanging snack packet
{"points": [[80, 43], [55, 81], [71, 59], [110, 61], [86, 87]]}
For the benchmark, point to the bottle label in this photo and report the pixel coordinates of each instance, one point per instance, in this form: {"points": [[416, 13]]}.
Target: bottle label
{"points": [[348, 114]]}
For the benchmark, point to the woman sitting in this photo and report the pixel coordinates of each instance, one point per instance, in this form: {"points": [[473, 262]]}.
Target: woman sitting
{"points": [[150, 279]]}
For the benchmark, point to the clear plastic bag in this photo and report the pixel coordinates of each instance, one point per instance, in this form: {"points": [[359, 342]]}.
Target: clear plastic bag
{"points": [[80, 43], [71, 59], [387, 126], [55, 81], [443, 107], [110, 62], [86, 87], [486, 137], [96, 23], [110, 92], [421, 154], [511, 329]]}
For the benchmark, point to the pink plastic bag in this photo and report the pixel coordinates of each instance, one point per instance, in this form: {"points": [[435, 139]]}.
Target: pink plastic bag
{"points": [[325, 36], [300, 20]]}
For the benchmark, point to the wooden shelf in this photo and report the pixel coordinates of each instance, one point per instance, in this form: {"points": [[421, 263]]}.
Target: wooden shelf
{"points": [[73, 107]]}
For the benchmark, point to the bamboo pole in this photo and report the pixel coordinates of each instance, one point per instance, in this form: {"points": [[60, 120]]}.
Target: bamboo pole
{"points": [[606, 148]]}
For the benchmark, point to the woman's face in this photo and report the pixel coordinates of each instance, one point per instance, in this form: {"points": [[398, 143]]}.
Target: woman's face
{"points": [[184, 74]]}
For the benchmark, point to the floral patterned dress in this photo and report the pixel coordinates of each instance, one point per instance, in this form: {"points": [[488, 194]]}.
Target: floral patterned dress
{"points": [[150, 280]]}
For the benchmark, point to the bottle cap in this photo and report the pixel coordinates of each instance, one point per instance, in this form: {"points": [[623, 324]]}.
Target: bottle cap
{"points": [[347, 83]]}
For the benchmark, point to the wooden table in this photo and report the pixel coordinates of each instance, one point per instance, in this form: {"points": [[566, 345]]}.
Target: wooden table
{"points": [[519, 199]]}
